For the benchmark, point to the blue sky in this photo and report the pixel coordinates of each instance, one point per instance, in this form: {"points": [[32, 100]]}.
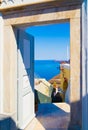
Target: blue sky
{"points": [[51, 41]]}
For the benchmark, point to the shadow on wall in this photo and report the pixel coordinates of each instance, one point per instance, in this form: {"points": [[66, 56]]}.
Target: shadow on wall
{"points": [[79, 120], [76, 116], [32, 10]]}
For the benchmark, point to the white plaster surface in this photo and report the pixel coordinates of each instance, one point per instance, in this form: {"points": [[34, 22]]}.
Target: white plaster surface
{"points": [[1, 63]]}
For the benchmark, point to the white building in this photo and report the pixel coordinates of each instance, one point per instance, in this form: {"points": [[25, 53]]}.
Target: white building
{"points": [[16, 47]]}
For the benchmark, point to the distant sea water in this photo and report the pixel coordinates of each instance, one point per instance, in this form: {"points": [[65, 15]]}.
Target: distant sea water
{"points": [[46, 69]]}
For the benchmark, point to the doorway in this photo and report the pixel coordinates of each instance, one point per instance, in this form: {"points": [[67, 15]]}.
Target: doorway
{"points": [[47, 15], [52, 61], [57, 61]]}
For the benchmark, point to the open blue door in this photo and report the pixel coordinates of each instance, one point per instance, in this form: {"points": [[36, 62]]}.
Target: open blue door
{"points": [[25, 78]]}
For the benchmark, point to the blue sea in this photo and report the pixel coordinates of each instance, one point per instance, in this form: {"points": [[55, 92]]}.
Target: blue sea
{"points": [[46, 69]]}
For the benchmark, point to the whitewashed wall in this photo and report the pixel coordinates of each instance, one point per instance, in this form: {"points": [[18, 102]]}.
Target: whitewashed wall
{"points": [[1, 65], [85, 65]]}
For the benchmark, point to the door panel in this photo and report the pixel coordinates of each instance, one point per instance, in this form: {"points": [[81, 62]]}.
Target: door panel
{"points": [[25, 78]]}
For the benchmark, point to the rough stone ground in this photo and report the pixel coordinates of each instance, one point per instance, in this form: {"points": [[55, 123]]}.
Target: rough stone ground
{"points": [[54, 116]]}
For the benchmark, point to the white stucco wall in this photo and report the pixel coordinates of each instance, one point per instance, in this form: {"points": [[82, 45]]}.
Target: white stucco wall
{"points": [[1, 63], [85, 65], [74, 33]]}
